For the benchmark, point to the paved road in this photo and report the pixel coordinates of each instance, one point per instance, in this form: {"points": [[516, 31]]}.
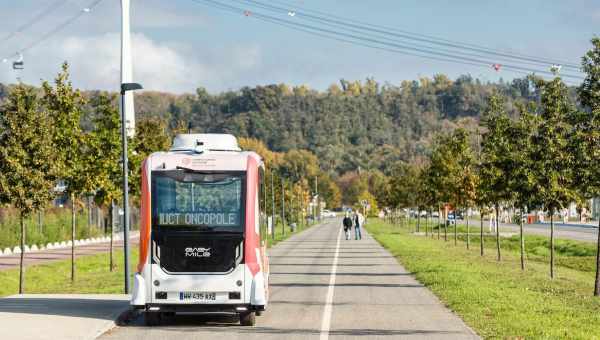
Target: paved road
{"points": [[325, 287], [571, 232], [51, 255], [585, 234]]}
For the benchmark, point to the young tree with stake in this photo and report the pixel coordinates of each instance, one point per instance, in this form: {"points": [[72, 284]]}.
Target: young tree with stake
{"points": [[522, 180], [585, 140], [27, 159], [64, 106], [106, 143], [551, 159], [494, 171]]}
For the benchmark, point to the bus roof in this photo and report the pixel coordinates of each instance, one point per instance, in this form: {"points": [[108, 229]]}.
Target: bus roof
{"points": [[203, 152]]}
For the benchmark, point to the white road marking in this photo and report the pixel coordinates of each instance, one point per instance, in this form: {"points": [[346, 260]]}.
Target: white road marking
{"points": [[326, 320]]}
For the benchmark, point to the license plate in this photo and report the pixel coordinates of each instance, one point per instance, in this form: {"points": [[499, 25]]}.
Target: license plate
{"points": [[197, 296]]}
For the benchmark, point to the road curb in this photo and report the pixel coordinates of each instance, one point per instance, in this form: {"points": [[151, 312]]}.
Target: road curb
{"points": [[62, 245]]}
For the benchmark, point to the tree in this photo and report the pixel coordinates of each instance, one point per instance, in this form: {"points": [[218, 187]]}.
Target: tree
{"points": [[461, 173], [402, 186], [299, 164], [585, 139], [27, 161], [494, 171], [328, 191], [431, 186], [522, 179], [379, 186], [252, 144], [445, 170], [552, 162], [64, 106], [371, 201], [352, 184], [106, 168], [151, 135]]}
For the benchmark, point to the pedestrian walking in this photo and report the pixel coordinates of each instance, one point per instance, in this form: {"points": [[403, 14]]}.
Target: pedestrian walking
{"points": [[347, 224], [359, 220]]}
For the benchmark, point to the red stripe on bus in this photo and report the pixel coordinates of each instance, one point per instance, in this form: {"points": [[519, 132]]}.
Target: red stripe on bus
{"points": [[145, 219], [252, 239]]}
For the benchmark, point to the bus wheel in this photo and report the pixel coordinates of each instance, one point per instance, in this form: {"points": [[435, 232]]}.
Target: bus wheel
{"points": [[248, 319], [258, 312], [152, 318]]}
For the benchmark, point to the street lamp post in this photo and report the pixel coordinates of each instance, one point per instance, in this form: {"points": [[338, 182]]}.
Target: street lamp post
{"points": [[127, 122], [124, 89]]}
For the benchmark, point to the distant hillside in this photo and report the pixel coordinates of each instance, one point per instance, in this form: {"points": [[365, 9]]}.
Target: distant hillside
{"points": [[354, 125]]}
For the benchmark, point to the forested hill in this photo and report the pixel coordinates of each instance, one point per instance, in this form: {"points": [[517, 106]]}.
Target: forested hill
{"points": [[353, 125]]}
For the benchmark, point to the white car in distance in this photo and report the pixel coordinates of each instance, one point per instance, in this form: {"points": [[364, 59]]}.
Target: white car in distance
{"points": [[328, 213]]}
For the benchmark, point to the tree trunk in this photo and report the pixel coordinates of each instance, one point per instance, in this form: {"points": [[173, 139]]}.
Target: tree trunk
{"points": [[455, 229], [522, 242], [446, 228], [481, 233], [111, 222], [498, 234], [21, 268], [73, 237], [418, 221], [468, 232], [89, 212], [426, 224], [40, 222], [552, 244], [439, 226], [597, 283]]}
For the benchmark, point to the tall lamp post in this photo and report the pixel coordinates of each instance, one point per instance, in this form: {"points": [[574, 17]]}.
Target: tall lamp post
{"points": [[124, 89], [127, 122]]}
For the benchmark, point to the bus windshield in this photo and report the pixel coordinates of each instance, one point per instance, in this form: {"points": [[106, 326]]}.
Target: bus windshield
{"points": [[191, 201]]}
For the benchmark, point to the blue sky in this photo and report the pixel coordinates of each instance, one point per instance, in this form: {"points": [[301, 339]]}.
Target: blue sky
{"points": [[180, 45]]}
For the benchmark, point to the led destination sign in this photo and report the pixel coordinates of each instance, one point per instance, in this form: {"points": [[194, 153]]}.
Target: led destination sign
{"points": [[211, 219]]}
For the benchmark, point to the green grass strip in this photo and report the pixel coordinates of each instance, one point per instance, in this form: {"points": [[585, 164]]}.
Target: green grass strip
{"points": [[498, 300], [92, 274]]}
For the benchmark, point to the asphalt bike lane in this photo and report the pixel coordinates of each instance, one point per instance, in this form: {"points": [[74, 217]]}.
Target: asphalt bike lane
{"points": [[8, 262], [325, 287]]}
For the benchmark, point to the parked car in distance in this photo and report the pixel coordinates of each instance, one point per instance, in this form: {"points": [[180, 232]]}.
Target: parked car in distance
{"points": [[328, 213], [453, 216]]}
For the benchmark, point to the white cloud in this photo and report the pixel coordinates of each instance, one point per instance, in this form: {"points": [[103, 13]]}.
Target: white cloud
{"points": [[157, 66], [160, 14]]}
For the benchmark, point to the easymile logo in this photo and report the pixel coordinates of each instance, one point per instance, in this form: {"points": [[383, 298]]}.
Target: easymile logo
{"points": [[197, 252]]}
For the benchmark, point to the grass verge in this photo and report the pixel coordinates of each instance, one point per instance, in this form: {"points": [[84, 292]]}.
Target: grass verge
{"points": [[498, 300], [92, 276], [92, 273]]}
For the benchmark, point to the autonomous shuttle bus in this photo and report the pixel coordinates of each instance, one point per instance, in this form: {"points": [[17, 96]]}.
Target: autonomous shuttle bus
{"points": [[202, 237]]}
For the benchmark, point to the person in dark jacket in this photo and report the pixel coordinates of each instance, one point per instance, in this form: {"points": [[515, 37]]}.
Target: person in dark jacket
{"points": [[347, 223]]}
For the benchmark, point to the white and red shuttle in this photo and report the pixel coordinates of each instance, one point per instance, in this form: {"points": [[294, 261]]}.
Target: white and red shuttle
{"points": [[202, 232]]}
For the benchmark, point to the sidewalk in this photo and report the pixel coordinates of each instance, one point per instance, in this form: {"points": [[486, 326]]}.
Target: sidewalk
{"points": [[65, 317]]}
